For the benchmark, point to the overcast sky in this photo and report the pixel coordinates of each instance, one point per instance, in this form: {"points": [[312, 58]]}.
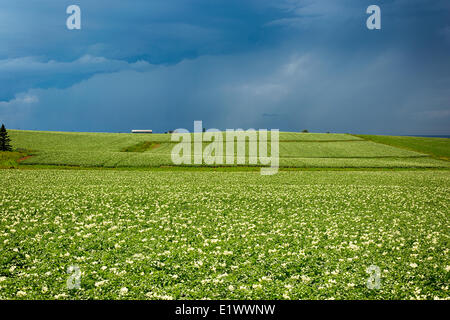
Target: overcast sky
{"points": [[285, 64]]}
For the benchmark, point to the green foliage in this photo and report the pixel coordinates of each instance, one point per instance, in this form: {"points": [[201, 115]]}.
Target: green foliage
{"points": [[10, 159], [296, 150], [219, 235], [5, 141], [437, 147]]}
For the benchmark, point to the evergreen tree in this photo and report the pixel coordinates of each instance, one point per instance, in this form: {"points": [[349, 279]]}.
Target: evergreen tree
{"points": [[4, 140]]}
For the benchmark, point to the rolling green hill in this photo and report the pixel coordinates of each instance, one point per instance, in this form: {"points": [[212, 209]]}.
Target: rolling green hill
{"points": [[302, 150], [436, 147]]}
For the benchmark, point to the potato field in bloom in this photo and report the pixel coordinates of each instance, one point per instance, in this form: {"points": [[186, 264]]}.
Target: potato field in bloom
{"points": [[224, 235], [297, 150]]}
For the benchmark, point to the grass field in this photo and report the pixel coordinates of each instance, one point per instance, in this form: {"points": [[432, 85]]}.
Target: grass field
{"points": [[300, 150], [224, 235], [10, 159], [437, 147]]}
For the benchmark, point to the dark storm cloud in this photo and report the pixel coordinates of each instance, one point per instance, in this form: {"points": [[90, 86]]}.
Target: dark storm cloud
{"points": [[263, 64]]}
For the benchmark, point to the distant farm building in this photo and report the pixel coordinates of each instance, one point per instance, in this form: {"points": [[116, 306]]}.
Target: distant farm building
{"points": [[141, 131]]}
